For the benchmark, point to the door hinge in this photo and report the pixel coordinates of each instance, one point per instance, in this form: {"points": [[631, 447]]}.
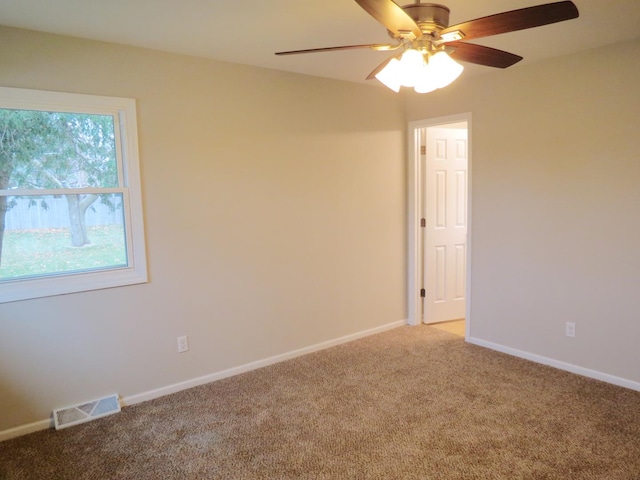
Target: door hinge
{"points": [[423, 222], [423, 293], [423, 150]]}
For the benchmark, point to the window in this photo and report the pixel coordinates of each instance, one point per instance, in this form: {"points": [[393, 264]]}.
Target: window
{"points": [[70, 201]]}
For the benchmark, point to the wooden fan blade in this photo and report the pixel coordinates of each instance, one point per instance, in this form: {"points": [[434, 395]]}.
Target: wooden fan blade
{"points": [[516, 20], [379, 68], [372, 46], [389, 14], [481, 55]]}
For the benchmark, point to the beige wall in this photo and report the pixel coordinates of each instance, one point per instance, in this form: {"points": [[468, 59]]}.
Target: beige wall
{"points": [[275, 208], [556, 206], [275, 221]]}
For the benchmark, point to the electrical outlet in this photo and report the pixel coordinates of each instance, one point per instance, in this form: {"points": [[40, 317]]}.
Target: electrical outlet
{"points": [[183, 344], [570, 329]]}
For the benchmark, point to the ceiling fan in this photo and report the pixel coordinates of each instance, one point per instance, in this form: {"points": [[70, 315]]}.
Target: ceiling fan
{"points": [[427, 47]]}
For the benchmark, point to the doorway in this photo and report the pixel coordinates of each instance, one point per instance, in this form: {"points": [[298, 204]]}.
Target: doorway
{"points": [[439, 213]]}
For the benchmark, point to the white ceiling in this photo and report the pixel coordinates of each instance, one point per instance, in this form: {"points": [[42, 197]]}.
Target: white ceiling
{"points": [[250, 31]]}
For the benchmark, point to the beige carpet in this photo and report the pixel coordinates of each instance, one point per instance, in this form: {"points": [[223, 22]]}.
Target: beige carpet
{"points": [[412, 403]]}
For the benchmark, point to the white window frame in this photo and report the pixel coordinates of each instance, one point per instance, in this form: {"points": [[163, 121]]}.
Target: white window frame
{"points": [[123, 111]]}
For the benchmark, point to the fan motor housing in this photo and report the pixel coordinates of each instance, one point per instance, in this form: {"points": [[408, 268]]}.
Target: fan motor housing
{"points": [[430, 17]]}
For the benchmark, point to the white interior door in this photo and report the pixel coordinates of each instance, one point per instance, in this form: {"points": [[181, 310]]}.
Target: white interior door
{"points": [[445, 225]]}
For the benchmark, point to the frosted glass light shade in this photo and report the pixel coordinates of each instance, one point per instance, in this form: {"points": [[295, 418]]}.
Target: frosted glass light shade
{"points": [[412, 71], [444, 69], [412, 64], [390, 75], [426, 83]]}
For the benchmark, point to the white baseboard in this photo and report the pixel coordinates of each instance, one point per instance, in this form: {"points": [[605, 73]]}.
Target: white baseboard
{"points": [[585, 372], [25, 429], [176, 387]]}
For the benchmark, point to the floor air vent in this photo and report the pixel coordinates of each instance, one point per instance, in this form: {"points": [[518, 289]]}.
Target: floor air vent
{"points": [[68, 416]]}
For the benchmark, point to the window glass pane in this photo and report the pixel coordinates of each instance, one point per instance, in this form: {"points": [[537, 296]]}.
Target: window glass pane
{"points": [[51, 150], [48, 235]]}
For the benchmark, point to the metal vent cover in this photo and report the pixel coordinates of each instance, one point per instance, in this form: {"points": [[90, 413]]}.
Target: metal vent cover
{"points": [[84, 412]]}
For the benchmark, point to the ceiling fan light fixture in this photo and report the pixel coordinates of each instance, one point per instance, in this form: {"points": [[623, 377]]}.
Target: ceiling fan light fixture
{"points": [[444, 69], [390, 75], [413, 71], [426, 83], [412, 66]]}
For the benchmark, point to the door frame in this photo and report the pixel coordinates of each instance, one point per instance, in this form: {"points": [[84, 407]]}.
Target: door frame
{"points": [[415, 213]]}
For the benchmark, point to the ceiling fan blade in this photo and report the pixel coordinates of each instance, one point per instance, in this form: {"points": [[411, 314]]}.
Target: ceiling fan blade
{"points": [[389, 14], [379, 68], [515, 20], [481, 55], [372, 46]]}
